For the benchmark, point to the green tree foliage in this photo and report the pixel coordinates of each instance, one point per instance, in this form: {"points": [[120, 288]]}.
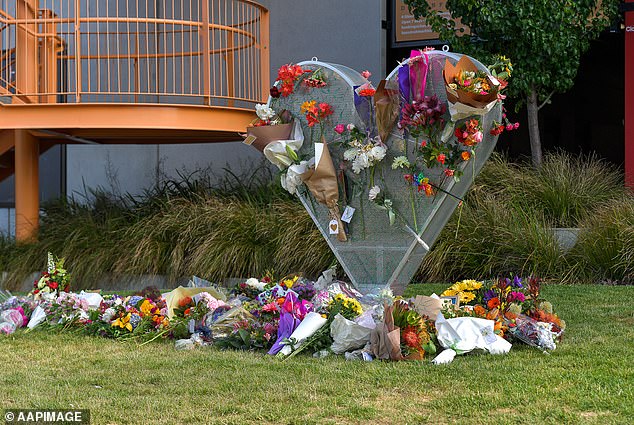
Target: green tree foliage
{"points": [[543, 38]]}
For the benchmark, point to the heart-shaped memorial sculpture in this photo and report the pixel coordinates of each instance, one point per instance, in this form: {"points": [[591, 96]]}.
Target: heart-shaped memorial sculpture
{"points": [[381, 170]]}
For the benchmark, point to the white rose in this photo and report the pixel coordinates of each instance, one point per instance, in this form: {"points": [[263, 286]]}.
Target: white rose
{"points": [[264, 112], [377, 153], [255, 283], [350, 154]]}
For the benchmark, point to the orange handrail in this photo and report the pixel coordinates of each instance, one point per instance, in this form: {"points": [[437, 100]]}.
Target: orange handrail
{"points": [[105, 52]]}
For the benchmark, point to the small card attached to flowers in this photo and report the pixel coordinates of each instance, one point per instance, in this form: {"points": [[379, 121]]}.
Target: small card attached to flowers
{"points": [[333, 227], [249, 140], [347, 214]]}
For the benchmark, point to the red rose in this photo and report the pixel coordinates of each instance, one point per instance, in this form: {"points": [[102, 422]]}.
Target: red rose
{"points": [[53, 285], [36, 291], [275, 92]]}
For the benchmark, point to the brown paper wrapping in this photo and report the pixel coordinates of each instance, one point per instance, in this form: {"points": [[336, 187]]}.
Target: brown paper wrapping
{"points": [[472, 99], [268, 133], [385, 339], [386, 108], [322, 183], [427, 306]]}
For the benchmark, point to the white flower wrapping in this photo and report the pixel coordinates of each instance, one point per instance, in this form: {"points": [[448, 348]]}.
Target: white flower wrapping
{"points": [[464, 334], [347, 335], [307, 328]]}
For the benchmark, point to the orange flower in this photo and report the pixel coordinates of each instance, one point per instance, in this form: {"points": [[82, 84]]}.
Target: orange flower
{"points": [[493, 303], [466, 156], [185, 301], [479, 311], [309, 106], [493, 314]]}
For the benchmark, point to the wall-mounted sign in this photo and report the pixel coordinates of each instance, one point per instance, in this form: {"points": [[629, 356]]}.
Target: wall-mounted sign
{"points": [[408, 29]]}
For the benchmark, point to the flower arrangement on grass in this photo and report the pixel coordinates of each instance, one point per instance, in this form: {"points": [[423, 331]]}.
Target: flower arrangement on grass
{"points": [[53, 281]]}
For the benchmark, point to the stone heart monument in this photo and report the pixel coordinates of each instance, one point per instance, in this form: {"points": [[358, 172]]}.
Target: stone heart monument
{"points": [[381, 170]]}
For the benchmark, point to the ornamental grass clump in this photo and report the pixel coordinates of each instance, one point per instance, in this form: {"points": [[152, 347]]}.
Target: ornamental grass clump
{"points": [[605, 249]]}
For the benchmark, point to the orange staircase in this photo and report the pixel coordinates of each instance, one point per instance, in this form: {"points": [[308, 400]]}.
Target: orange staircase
{"points": [[182, 71]]}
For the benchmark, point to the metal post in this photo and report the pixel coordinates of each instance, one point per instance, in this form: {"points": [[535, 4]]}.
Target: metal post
{"points": [[629, 93], [78, 50], [205, 57], [26, 49], [265, 64], [27, 194]]}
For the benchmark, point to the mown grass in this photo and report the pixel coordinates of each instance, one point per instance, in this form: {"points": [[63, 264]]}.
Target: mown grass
{"points": [[247, 226], [588, 379]]}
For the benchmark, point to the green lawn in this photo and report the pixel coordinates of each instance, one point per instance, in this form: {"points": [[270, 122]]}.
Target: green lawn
{"points": [[588, 379]]}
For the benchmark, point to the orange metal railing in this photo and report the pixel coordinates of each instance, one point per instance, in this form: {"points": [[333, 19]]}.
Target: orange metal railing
{"points": [[200, 52]]}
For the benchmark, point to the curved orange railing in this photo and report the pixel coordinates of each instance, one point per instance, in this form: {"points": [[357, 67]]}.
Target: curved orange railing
{"points": [[194, 52]]}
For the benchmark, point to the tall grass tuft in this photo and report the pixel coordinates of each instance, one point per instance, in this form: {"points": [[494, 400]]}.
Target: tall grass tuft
{"points": [[605, 249]]}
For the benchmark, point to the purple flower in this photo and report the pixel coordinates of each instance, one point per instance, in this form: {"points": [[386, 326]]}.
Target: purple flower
{"points": [[517, 282], [488, 295]]}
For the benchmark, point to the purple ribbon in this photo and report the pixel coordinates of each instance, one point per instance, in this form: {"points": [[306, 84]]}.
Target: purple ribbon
{"points": [[403, 82]]}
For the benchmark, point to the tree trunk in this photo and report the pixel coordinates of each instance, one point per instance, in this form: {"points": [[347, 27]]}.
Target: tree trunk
{"points": [[533, 128]]}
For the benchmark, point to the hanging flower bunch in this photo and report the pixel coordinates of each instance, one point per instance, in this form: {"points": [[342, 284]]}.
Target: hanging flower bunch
{"points": [[316, 113], [366, 90], [469, 133], [424, 118], [363, 152], [471, 82], [288, 75], [316, 79]]}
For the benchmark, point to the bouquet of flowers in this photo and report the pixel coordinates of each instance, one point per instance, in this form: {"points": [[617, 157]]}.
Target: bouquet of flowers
{"points": [[53, 281]]}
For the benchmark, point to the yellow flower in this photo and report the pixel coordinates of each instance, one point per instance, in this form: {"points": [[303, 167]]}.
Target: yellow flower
{"points": [[146, 308], [308, 105], [123, 322], [290, 282]]}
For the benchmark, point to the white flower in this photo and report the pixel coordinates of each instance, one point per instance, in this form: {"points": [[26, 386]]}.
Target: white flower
{"points": [[377, 153], [374, 191], [264, 112], [254, 283], [360, 162], [350, 127], [292, 178], [400, 162], [350, 154], [108, 314]]}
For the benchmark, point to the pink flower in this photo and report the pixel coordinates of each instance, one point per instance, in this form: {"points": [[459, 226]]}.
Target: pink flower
{"points": [[449, 172], [366, 74], [516, 125], [269, 307], [509, 127], [340, 128], [350, 127], [423, 143], [478, 136]]}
